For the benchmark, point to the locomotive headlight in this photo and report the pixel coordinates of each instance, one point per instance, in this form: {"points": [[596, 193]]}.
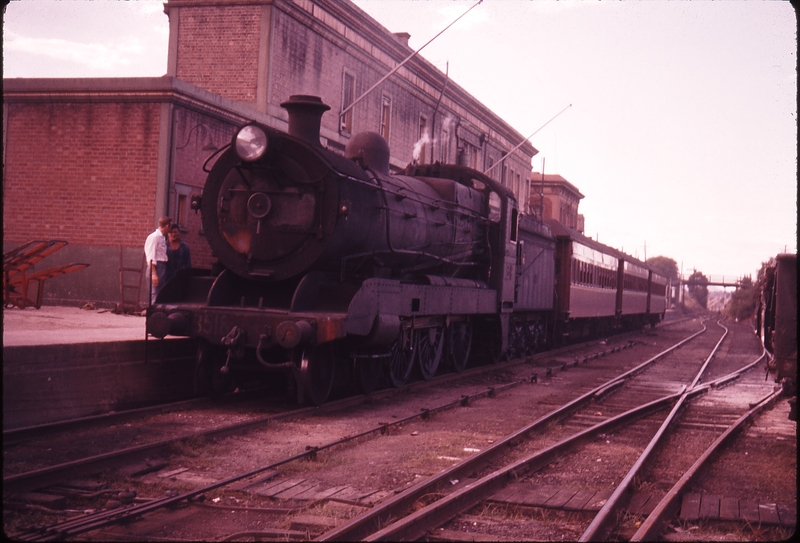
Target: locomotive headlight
{"points": [[251, 143]]}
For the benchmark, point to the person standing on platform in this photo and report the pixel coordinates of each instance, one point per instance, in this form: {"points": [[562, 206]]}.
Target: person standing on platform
{"points": [[178, 255], [155, 253]]}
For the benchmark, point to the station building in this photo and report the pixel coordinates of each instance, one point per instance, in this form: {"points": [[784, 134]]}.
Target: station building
{"points": [[97, 161], [553, 197]]}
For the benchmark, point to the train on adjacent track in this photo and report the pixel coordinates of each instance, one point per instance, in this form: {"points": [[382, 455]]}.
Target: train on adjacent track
{"points": [[330, 269], [776, 322]]}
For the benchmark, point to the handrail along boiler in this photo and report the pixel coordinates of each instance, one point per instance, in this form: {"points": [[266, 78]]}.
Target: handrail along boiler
{"points": [[331, 269]]}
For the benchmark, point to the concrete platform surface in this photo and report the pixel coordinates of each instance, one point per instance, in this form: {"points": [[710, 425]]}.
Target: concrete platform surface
{"points": [[58, 325]]}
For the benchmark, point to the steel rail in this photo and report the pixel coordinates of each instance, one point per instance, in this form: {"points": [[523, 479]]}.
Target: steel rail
{"points": [[37, 478], [31, 480], [16, 435], [418, 523], [615, 502], [365, 524], [92, 522], [109, 517], [710, 357], [668, 505], [105, 518]]}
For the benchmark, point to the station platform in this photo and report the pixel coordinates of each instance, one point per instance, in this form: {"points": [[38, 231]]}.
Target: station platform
{"points": [[65, 362], [59, 325]]}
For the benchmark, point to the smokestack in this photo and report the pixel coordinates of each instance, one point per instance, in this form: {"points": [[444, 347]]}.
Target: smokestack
{"points": [[305, 115]]}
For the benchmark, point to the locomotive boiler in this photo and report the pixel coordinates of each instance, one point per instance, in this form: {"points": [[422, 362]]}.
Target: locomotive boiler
{"points": [[279, 206], [331, 269]]}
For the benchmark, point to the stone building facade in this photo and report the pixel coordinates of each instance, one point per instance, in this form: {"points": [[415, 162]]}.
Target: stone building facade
{"points": [[96, 162], [553, 197], [260, 52]]}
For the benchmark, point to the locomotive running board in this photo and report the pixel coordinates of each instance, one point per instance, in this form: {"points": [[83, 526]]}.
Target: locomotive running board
{"points": [[387, 297]]}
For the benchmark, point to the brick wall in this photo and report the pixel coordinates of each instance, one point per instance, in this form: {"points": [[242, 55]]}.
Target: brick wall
{"points": [[196, 137], [82, 172], [211, 36]]}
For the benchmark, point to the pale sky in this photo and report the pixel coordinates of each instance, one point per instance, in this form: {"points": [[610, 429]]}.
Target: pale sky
{"points": [[682, 134]]}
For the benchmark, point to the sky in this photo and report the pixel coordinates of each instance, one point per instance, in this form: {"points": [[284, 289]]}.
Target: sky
{"points": [[682, 130]]}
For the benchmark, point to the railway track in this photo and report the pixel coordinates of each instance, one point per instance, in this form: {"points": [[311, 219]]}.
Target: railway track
{"points": [[14, 436], [30, 446], [403, 519], [354, 441]]}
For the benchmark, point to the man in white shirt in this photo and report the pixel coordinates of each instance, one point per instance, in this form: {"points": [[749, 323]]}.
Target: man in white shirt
{"points": [[155, 252]]}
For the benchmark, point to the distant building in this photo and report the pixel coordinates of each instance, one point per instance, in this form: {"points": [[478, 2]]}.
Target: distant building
{"points": [[553, 197], [96, 162]]}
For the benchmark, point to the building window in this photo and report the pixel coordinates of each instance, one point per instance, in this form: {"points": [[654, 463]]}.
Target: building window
{"points": [[423, 139], [469, 156], [348, 95], [183, 197], [180, 216], [444, 147], [386, 117], [514, 218]]}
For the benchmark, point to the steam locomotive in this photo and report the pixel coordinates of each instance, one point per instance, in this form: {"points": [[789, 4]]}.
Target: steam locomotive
{"points": [[332, 269]]}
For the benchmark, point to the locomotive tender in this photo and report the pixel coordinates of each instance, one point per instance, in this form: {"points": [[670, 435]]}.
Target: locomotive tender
{"points": [[776, 323], [330, 268]]}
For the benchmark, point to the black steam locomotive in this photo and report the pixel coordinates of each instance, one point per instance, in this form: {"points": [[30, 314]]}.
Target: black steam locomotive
{"points": [[332, 269]]}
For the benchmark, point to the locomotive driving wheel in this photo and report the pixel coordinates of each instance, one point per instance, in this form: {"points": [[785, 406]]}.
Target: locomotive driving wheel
{"points": [[211, 377], [401, 359], [535, 335], [458, 337], [317, 373], [367, 374], [428, 344], [490, 342], [518, 340]]}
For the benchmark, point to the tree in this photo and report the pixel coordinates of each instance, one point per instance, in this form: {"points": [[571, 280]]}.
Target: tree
{"points": [[744, 300], [762, 272], [664, 265], [698, 288]]}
